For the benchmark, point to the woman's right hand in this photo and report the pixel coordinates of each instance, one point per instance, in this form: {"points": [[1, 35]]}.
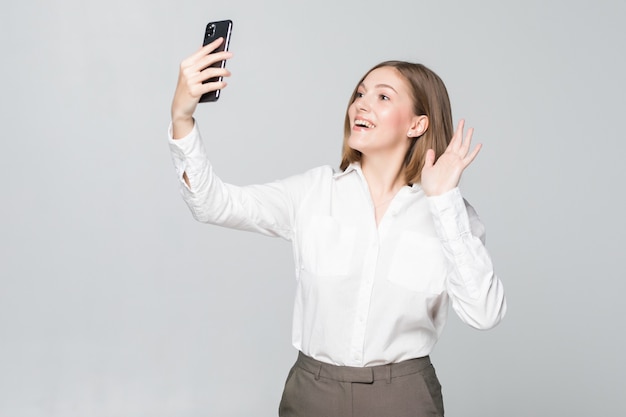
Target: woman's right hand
{"points": [[193, 71]]}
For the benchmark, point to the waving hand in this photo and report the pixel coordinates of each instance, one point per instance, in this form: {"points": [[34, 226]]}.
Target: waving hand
{"points": [[445, 174]]}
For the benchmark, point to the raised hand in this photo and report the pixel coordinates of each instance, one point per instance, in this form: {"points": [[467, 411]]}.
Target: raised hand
{"points": [[445, 174], [193, 71]]}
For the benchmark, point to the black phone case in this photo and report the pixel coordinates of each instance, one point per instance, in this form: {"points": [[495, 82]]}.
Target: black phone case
{"points": [[214, 30]]}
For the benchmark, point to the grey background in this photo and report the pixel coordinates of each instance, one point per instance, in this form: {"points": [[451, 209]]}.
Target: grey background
{"points": [[114, 302]]}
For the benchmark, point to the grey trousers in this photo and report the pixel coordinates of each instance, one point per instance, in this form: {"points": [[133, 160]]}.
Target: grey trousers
{"points": [[405, 389]]}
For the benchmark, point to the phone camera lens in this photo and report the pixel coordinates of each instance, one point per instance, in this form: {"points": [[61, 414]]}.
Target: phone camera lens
{"points": [[210, 30]]}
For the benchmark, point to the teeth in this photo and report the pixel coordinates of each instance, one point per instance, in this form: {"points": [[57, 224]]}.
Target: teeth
{"points": [[363, 123]]}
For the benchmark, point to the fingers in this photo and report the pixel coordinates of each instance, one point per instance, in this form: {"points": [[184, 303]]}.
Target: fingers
{"points": [[210, 59], [459, 143], [467, 141], [464, 152], [429, 160], [208, 71], [198, 90], [197, 76], [202, 52], [457, 138], [207, 49], [191, 67], [203, 66], [445, 174], [470, 158], [466, 156], [204, 57]]}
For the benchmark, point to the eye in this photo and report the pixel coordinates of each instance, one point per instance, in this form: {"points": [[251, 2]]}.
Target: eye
{"points": [[358, 94], [383, 97]]}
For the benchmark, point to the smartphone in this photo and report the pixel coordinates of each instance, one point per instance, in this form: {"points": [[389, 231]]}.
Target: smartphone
{"points": [[214, 30]]}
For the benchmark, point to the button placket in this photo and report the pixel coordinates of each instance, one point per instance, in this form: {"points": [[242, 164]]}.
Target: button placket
{"points": [[364, 301]]}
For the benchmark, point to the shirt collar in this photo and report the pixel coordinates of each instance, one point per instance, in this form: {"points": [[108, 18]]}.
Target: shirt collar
{"points": [[415, 187], [354, 166]]}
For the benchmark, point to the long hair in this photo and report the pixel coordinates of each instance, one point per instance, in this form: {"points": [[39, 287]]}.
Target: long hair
{"points": [[430, 98]]}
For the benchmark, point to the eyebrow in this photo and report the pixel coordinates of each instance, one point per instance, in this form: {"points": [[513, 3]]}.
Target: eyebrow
{"points": [[380, 86]]}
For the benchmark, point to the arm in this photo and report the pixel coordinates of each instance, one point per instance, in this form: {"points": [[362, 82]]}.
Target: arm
{"points": [[267, 208], [264, 208], [476, 292], [193, 72]]}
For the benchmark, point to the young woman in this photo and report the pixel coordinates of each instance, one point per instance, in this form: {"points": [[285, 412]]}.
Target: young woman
{"points": [[381, 247]]}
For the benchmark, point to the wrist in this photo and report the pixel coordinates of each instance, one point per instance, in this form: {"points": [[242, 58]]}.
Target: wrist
{"points": [[181, 126], [181, 117]]}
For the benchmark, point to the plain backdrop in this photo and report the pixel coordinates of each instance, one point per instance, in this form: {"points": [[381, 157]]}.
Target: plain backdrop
{"points": [[115, 302]]}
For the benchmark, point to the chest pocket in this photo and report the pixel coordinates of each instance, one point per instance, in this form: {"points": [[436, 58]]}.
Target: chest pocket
{"points": [[418, 263], [327, 246]]}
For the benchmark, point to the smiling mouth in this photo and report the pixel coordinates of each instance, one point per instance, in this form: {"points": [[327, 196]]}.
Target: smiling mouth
{"points": [[363, 123]]}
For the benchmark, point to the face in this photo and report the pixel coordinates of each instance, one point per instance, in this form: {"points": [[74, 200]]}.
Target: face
{"points": [[382, 115]]}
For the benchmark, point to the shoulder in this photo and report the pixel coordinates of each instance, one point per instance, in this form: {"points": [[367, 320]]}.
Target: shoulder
{"points": [[319, 174], [311, 181], [324, 171]]}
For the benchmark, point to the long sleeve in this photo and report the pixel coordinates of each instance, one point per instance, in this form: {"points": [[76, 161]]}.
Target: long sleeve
{"points": [[476, 292], [266, 209]]}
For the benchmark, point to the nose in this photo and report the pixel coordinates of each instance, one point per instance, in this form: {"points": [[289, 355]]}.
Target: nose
{"points": [[361, 104]]}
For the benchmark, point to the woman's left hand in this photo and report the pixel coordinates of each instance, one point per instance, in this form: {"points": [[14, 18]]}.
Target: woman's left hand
{"points": [[444, 175]]}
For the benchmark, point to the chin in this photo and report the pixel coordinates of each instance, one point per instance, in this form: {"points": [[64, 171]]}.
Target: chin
{"points": [[355, 147]]}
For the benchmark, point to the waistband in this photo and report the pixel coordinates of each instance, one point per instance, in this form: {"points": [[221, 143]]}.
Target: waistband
{"points": [[366, 374]]}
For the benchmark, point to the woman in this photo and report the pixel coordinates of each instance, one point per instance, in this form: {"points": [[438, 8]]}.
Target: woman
{"points": [[381, 247]]}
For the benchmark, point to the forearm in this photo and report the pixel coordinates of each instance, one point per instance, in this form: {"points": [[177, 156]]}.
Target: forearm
{"points": [[202, 190], [476, 292], [265, 208], [182, 125]]}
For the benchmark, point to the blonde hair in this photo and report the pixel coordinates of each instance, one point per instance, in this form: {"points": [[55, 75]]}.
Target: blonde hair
{"points": [[430, 98]]}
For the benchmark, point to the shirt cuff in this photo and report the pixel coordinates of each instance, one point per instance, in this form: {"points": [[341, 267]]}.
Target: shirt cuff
{"points": [[187, 151], [186, 144], [450, 215]]}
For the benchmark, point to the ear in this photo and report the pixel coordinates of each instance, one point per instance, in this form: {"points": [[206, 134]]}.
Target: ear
{"points": [[419, 125]]}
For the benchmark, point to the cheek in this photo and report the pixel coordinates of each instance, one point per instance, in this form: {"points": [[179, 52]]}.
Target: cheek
{"points": [[351, 112], [398, 119], [392, 118]]}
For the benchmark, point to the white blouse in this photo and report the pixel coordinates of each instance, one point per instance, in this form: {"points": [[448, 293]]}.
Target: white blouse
{"points": [[366, 295]]}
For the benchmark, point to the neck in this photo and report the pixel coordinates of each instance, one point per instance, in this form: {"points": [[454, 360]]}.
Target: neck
{"points": [[384, 179]]}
